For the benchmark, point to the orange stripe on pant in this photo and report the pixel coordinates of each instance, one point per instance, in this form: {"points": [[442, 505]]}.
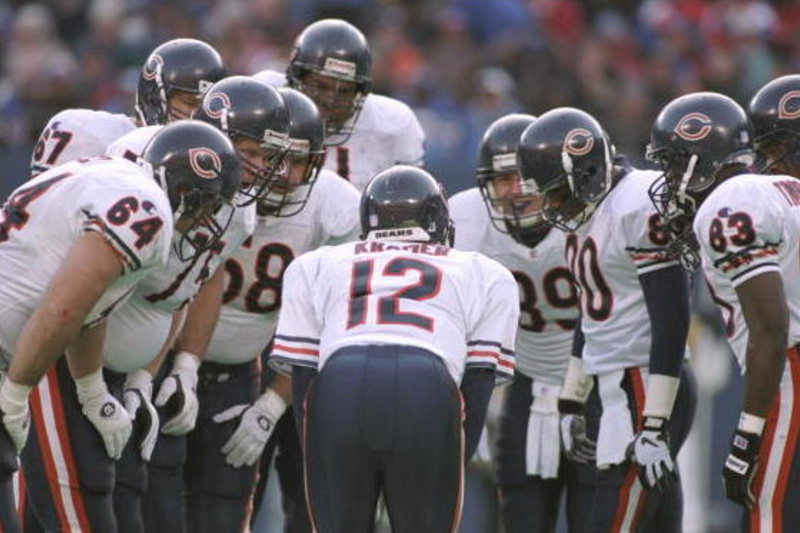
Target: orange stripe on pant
{"points": [[783, 419], [632, 494], [64, 492]]}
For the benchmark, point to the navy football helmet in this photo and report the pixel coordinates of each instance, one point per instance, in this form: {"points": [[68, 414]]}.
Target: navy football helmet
{"points": [[331, 63], [185, 65], [196, 165], [567, 155], [243, 107], [514, 206], [406, 203]]}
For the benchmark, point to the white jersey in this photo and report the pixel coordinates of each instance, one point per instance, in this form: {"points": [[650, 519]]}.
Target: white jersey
{"points": [[43, 218], [77, 133], [620, 242], [254, 274], [386, 133], [461, 306], [131, 145], [139, 329], [749, 225], [547, 297]]}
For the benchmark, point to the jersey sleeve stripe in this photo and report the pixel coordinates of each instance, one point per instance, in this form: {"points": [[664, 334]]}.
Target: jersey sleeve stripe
{"points": [[284, 364], [754, 270], [735, 260], [289, 338], [484, 343], [128, 256], [292, 350]]}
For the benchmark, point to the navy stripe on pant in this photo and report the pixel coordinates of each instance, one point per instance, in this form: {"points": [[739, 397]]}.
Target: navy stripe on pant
{"points": [[384, 419]]}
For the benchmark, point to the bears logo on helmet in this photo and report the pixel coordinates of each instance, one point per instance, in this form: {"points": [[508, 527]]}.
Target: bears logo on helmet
{"points": [[205, 162], [694, 127], [789, 106], [579, 142]]}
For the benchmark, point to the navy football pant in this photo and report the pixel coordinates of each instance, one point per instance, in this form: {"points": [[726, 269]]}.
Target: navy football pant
{"points": [[384, 419], [621, 503], [218, 495], [69, 476], [530, 504]]}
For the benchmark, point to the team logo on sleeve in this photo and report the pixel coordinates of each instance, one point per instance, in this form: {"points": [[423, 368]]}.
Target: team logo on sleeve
{"points": [[217, 106], [578, 141], [152, 68], [205, 162], [694, 126], [789, 106]]}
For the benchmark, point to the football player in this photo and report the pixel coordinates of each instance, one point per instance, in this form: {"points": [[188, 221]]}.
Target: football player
{"points": [[301, 211], [171, 82], [634, 319], [75, 242], [182, 305], [379, 359], [365, 132], [746, 226], [503, 220]]}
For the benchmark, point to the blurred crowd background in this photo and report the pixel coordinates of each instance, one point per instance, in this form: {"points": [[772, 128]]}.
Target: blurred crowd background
{"points": [[460, 64]]}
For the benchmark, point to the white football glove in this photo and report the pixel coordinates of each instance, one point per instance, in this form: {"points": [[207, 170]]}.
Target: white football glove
{"points": [[105, 413], [180, 390], [255, 427], [15, 411], [138, 402], [650, 450]]}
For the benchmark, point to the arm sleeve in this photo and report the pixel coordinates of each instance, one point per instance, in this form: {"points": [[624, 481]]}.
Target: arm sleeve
{"points": [[666, 295], [490, 342], [476, 389], [296, 341]]}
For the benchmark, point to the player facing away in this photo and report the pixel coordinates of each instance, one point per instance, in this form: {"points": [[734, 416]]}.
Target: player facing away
{"points": [[503, 220], [331, 63], [634, 319], [746, 226], [109, 225], [379, 360], [171, 82]]}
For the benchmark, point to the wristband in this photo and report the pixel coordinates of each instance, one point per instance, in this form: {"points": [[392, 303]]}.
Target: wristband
{"points": [[660, 395]]}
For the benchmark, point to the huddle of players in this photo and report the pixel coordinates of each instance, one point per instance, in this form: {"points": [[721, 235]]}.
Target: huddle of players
{"points": [[597, 248]]}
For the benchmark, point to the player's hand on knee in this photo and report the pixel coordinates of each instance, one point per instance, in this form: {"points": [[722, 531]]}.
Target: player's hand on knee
{"points": [[106, 414], [15, 411], [138, 402], [179, 393], [742, 461], [650, 450], [578, 447], [256, 424]]}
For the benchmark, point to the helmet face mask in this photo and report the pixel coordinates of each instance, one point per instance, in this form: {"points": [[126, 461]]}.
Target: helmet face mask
{"points": [[331, 63], [200, 222]]}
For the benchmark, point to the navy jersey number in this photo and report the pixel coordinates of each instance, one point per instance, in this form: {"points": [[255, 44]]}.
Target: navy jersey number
{"points": [[426, 287]]}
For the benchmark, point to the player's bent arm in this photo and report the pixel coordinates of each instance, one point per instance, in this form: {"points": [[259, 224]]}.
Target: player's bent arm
{"points": [[202, 316], [89, 268], [666, 295], [764, 308]]}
